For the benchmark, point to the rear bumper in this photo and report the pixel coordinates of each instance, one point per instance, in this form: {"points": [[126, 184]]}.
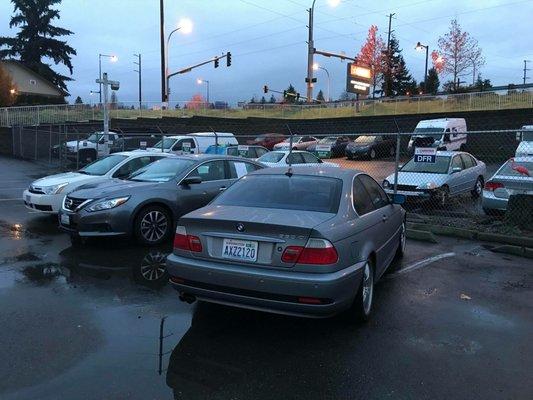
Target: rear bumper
{"points": [[421, 194], [44, 203], [491, 202], [266, 289]]}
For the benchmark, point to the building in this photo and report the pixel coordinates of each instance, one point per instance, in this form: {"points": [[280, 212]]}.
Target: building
{"points": [[31, 87]]}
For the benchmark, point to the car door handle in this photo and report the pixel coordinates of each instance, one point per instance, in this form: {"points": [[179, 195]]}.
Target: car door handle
{"points": [[222, 188], [384, 218]]}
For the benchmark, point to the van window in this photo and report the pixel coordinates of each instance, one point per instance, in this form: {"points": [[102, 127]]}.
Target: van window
{"points": [[179, 145]]}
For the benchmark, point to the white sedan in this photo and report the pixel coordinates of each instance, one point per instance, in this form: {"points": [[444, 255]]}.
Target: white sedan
{"points": [[279, 158], [46, 194]]}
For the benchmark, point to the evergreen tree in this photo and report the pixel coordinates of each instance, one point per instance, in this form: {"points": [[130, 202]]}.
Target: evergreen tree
{"points": [[397, 79], [78, 100], [481, 84], [433, 82], [320, 96], [290, 94], [36, 39], [263, 100], [253, 100], [272, 99]]}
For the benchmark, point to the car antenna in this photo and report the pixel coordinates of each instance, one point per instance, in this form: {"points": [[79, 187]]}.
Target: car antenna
{"points": [[289, 158]]}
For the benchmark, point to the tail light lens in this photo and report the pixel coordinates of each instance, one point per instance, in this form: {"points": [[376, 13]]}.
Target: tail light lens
{"points": [[183, 241], [315, 252], [492, 186]]}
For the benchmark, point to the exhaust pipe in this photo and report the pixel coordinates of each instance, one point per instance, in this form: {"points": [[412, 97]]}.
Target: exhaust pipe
{"points": [[187, 298]]}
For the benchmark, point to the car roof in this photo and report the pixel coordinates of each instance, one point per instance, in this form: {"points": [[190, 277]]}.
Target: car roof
{"points": [[142, 153], [446, 153], [523, 159], [206, 157], [340, 173], [288, 151]]}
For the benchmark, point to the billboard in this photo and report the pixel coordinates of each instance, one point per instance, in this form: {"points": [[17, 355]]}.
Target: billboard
{"points": [[358, 79]]}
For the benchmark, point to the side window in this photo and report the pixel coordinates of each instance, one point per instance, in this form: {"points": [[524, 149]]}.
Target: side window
{"points": [[295, 158], [457, 162], [210, 171], [238, 169], [260, 151], [179, 144], [361, 200], [309, 158], [468, 161], [378, 197], [132, 166]]}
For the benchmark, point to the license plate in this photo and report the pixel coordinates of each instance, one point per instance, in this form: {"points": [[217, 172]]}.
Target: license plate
{"points": [[28, 198], [244, 250], [65, 219]]}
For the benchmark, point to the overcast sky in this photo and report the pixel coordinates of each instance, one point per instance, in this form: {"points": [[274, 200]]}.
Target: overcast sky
{"points": [[268, 40]]}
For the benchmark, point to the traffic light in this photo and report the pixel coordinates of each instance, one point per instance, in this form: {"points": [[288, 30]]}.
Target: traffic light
{"points": [[216, 62], [265, 89], [228, 60]]}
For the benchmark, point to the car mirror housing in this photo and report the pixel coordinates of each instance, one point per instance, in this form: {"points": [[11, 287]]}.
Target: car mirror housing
{"points": [[398, 199], [192, 180]]}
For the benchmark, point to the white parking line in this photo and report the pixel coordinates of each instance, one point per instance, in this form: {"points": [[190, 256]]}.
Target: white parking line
{"points": [[18, 198], [422, 263]]}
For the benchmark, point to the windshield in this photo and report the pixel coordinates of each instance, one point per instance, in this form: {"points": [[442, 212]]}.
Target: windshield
{"points": [[428, 132], [440, 167], [103, 165], [527, 136], [328, 140], [365, 139], [95, 137], [306, 193], [517, 168], [167, 143], [294, 139], [162, 170], [271, 157]]}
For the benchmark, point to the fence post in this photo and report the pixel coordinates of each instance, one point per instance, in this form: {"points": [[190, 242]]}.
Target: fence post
{"points": [[470, 102], [50, 146], [20, 142], [418, 105], [13, 139], [35, 154]]}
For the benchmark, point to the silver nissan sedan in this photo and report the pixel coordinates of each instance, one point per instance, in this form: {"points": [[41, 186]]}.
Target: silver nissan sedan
{"points": [[304, 241]]}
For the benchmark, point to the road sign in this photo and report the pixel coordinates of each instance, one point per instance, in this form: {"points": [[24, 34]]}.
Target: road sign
{"points": [[358, 79], [426, 155], [142, 145]]}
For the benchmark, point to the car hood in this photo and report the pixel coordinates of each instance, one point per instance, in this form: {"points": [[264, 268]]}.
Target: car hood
{"points": [[415, 178], [70, 177], [110, 188]]}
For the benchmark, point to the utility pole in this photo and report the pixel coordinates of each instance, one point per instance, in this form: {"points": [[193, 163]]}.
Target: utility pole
{"points": [[388, 81], [115, 85], [139, 71], [164, 98], [525, 78], [310, 54]]}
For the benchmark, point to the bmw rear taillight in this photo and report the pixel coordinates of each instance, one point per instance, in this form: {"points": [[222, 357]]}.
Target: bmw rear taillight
{"points": [[492, 186], [183, 241], [315, 252]]}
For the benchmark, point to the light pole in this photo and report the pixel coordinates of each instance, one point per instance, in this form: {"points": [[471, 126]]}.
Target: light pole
{"points": [[311, 49], [113, 58], [317, 67], [200, 81], [185, 26], [420, 47], [139, 72]]}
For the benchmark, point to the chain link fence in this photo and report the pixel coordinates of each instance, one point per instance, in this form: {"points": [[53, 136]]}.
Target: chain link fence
{"points": [[479, 180]]}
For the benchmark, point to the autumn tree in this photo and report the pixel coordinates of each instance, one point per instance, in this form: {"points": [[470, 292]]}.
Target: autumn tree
{"points": [[196, 102], [7, 89], [38, 39], [371, 54], [460, 53]]}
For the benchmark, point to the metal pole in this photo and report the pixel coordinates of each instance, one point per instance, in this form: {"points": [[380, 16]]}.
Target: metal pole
{"points": [[207, 93], [163, 55], [397, 159], [310, 54], [106, 115], [100, 76], [50, 146], [426, 71]]}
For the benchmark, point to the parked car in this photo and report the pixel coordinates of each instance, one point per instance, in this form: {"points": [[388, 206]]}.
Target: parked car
{"points": [[148, 202], [525, 138], [298, 143], [246, 151], [513, 177], [453, 173], [46, 194], [443, 133], [96, 145], [330, 147], [311, 243], [267, 140], [194, 143], [370, 146], [296, 157]]}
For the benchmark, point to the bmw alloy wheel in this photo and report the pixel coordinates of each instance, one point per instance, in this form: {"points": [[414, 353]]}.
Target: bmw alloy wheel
{"points": [[368, 288], [154, 226]]}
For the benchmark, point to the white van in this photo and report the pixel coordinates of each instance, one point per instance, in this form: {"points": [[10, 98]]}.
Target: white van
{"points": [[443, 133], [525, 137], [193, 143]]}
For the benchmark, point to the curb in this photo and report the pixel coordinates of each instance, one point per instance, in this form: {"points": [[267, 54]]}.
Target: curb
{"points": [[473, 235], [423, 236], [514, 250]]}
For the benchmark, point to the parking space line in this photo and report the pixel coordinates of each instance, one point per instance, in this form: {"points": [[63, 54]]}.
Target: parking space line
{"points": [[422, 263], [18, 198]]}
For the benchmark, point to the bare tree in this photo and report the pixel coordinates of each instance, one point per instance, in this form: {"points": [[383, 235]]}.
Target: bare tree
{"points": [[460, 52]]}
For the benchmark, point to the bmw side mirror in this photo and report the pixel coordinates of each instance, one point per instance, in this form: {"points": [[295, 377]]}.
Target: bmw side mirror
{"points": [[192, 180], [398, 199]]}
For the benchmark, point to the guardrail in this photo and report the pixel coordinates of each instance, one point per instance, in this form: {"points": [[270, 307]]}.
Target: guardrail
{"points": [[53, 114]]}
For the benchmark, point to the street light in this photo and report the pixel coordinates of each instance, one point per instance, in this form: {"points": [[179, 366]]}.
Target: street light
{"points": [[112, 58], [12, 91], [420, 47], [185, 25], [316, 67], [201, 81], [311, 49]]}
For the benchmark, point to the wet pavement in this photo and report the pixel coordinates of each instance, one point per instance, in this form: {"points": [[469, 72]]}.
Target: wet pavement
{"points": [[100, 322]]}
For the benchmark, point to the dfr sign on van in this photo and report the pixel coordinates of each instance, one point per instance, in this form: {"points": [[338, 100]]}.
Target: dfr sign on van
{"points": [[425, 155]]}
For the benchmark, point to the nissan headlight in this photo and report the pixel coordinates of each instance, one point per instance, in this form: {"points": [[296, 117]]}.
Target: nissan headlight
{"points": [[429, 186], [107, 204], [55, 189]]}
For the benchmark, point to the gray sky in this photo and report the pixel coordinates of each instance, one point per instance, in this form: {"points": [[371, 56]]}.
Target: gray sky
{"points": [[268, 40]]}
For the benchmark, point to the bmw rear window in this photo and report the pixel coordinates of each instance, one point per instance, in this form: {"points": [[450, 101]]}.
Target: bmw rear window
{"points": [[298, 192]]}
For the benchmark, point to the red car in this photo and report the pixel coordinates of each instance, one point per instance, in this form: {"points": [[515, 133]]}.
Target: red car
{"points": [[267, 140]]}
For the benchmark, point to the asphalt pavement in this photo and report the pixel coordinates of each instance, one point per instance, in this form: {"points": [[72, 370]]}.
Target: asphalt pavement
{"points": [[100, 322]]}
